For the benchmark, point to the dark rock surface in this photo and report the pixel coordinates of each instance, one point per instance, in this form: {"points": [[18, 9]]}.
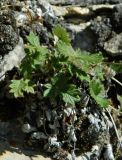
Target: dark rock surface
{"points": [[84, 2], [8, 32], [102, 28], [117, 18]]}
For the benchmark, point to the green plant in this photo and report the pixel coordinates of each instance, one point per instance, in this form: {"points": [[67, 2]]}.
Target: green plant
{"points": [[59, 66], [18, 87]]}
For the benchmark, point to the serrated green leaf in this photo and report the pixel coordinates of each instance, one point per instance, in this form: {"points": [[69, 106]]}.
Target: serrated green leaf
{"points": [[117, 67], [73, 90], [47, 91], [97, 72], [91, 58], [27, 87], [98, 93], [33, 39], [29, 50], [82, 61], [18, 87], [60, 87], [57, 85], [96, 87], [40, 56], [62, 34], [102, 102], [71, 95], [68, 99], [26, 68], [82, 76], [65, 49], [33, 61]]}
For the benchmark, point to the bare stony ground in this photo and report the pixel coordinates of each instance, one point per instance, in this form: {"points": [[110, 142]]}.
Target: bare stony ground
{"points": [[16, 156], [11, 144]]}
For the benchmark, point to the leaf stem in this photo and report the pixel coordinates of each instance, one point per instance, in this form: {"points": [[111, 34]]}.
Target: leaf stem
{"points": [[114, 79], [117, 134]]}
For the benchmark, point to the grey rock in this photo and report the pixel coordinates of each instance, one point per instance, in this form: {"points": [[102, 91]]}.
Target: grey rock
{"points": [[83, 2], [8, 33], [21, 19], [117, 17], [8, 39], [94, 154], [81, 35], [46, 8], [27, 128], [38, 135], [60, 11], [101, 7], [102, 28], [114, 45], [81, 11], [84, 40], [108, 154], [4, 128], [12, 59]]}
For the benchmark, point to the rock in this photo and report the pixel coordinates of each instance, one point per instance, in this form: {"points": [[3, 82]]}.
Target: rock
{"points": [[46, 8], [8, 155], [39, 29], [58, 130], [22, 19], [77, 28], [78, 11], [83, 2], [84, 40], [117, 17], [82, 37], [102, 28], [4, 128], [60, 11], [8, 32], [39, 157], [16, 156], [114, 45], [8, 39], [101, 7], [12, 59]]}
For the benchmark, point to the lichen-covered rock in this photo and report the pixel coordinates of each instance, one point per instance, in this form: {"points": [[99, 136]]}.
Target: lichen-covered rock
{"points": [[102, 29], [8, 32], [60, 11], [8, 39], [78, 11], [114, 45]]}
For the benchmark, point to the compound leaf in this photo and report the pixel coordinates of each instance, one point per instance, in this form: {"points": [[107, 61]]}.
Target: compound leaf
{"points": [[71, 94], [18, 87], [98, 93], [33, 39], [57, 85], [62, 34]]}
